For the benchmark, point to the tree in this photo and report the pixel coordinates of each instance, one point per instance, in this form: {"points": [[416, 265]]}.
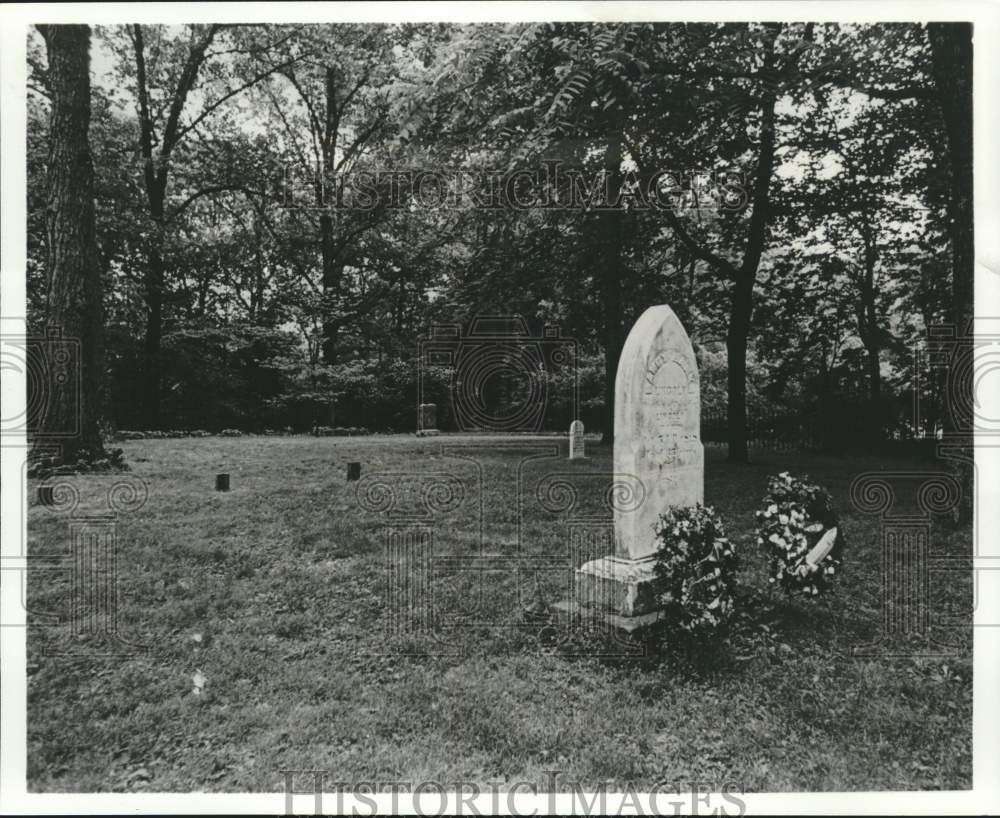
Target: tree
{"points": [[73, 302], [759, 45], [854, 215], [333, 107], [951, 50], [162, 89]]}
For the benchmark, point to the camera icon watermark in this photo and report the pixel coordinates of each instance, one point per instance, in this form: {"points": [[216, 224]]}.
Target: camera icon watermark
{"points": [[459, 573], [47, 361], [497, 376]]}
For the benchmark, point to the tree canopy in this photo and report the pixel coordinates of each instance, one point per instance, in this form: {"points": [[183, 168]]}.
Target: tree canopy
{"points": [[283, 212]]}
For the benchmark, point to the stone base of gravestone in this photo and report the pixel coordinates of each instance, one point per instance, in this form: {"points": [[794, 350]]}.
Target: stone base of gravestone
{"points": [[616, 586], [613, 593]]}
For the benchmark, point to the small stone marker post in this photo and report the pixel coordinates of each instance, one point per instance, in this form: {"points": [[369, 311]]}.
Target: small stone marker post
{"points": [[657, 444], [427, 420], [222, 482], [353, 471], [576, 444]]}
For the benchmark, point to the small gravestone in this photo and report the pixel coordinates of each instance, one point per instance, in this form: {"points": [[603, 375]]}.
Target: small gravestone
{"points": [[222, 482], [658, 445], [353, 471], [823, 548], [576, 445], [427, 420]]}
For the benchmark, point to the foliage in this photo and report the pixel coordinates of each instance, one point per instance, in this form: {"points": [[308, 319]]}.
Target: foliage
{"points": [[694, 570], [795, 513], [854, 270]]}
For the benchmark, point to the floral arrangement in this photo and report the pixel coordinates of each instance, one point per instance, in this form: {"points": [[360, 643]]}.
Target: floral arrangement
{"points": [[694, 571], [797, 527]]}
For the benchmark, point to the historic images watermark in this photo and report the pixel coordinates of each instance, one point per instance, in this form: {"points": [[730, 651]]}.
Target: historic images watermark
{"points": [[86, 608], [436, 798], [89, 599], [436, 596], [494, 375], [948, 407], [906, 503], [553, 185], [497, 375]]}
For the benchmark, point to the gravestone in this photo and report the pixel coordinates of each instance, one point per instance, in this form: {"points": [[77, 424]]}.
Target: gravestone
{"points": [[823, 548], [427, 420], [576, 445], [658, 445]]}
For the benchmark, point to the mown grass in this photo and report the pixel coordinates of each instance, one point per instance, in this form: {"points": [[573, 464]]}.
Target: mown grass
{"points": [[276, 593]]}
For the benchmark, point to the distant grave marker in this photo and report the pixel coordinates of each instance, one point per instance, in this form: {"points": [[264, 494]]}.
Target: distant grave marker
{"points": [[427, 420], [577, 449]]}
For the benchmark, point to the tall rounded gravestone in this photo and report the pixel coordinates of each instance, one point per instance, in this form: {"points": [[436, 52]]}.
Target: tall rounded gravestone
{"points": [[657, 448]]}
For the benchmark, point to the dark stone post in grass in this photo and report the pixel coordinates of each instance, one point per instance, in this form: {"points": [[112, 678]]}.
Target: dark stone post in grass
{"points": [[222, 482], [353, 471]]}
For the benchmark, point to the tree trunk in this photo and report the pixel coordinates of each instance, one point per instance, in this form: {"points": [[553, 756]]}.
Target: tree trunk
{"points": [[741, 310], [329, 199], [612, 340], [874, 367], [951, 50], [74, 286], [153, 285], [331, 285], [744, 279], [611, 228], [868, 330], [824, 435], [155, 174]]}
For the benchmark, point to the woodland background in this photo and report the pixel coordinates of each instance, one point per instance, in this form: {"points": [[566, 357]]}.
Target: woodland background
{"points": [[808, 304]]}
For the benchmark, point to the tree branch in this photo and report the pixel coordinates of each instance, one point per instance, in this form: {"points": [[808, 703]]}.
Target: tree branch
{"points": [[196, 57], [697, 250], [213, 106]]}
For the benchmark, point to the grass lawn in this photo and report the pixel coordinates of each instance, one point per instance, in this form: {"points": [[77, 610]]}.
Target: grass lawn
{"points": [[276, 594]]}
